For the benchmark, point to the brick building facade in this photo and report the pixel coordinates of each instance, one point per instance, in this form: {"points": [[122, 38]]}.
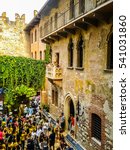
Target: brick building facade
{"points": [[37, 47], [33, 29]]}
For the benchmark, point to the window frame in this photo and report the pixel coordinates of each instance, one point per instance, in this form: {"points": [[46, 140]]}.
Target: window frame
{"points": [[109, 65], [35, 35], [95, 131], [56, 20], [35, 55], [55, 97], [70, 53], [72, 9], [41, 29], [80, 55], [81, 6], [40, 55]]}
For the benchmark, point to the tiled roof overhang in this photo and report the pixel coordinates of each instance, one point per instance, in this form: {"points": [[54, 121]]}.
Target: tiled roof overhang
{"points": [[44, 11]]}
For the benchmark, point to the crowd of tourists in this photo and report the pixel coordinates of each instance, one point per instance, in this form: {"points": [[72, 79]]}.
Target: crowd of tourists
{"points": [[32, 131]]}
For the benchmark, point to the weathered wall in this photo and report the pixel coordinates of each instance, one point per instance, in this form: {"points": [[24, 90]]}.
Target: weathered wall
{"points": [[37, 46], [92, 85], [13, 40], [34, 44]]}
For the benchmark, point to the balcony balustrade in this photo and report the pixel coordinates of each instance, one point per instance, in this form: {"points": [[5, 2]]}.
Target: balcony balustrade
{"points": [[53, 72], [85, 13]]}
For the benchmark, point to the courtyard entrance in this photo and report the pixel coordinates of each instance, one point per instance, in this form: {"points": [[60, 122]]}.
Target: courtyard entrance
{"points": [[69, 110]]}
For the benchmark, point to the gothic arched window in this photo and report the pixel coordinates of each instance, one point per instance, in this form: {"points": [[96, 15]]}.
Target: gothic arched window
{"points": [[110, 52], [70, 53], [71, 9], [80, 49], [81, 6]]}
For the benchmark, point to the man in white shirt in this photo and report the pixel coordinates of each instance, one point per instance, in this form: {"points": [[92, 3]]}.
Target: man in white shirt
{"points": [[38, 132]]}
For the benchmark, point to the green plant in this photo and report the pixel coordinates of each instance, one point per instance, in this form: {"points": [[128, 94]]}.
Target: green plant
{"points": [[46, 107], [16, 72], [48, 54]]}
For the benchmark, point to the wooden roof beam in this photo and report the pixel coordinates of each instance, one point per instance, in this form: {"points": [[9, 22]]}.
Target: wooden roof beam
{"points": [[100, 17], [50, 40], [54, 37], [89, 22], [70, 31], [61, 34], [80, 25], [44, 41]]}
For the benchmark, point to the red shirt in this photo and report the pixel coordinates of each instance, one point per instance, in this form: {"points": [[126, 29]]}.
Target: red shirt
{"points": [[72, 121], [1, 135]]}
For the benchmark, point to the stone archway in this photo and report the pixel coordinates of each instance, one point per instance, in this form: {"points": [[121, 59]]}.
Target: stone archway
{"points": [[68, 109]]}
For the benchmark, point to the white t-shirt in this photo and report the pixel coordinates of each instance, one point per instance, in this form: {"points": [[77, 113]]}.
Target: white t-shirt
{"points": [[38, 132]]}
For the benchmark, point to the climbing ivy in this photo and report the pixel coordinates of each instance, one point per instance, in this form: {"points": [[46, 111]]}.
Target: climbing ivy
{"points": [[48, 54], [17, 71]]}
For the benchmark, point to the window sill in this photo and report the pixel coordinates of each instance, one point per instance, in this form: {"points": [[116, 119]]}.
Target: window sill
{"points": [[95, 140], [79, 68], [71, 68], [108, 70]]}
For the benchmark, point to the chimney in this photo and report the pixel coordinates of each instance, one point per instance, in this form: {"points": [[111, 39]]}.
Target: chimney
{"points": [[4, 15], [35, 12]]}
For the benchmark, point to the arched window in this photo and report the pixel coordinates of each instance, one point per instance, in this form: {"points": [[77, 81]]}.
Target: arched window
{"points": [[80, 48], [50, 54], [35, 55], [51, 26], [81, 6], [56, 17], [96, 127], [35, 35], [71, 9], [53, 101], [110, 52], [31, 37], [32, 54], [40, 55], [55, 96], [41, 31], [70, 53]]}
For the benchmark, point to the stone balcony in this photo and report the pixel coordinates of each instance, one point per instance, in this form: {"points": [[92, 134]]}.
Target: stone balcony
{"points": [[53, 72], [67, 22]]}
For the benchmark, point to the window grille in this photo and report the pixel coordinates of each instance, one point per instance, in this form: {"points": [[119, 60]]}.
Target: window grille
{"points": [[96, 127]]}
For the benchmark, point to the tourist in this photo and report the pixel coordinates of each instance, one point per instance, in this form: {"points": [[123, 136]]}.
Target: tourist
{"points": [[52, 139], [62, 121], [30, 143], [69, 123], [73, 125]]}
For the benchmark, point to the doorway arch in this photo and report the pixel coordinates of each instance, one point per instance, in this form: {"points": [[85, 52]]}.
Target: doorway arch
{"points": [[69, 109]]}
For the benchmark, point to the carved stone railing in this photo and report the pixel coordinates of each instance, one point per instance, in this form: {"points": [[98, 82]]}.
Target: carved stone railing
{"points": [[54, 72]]}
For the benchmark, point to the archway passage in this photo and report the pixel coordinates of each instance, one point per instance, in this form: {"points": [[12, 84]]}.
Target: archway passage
{"points": [[69, 110], [71, 107]]}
